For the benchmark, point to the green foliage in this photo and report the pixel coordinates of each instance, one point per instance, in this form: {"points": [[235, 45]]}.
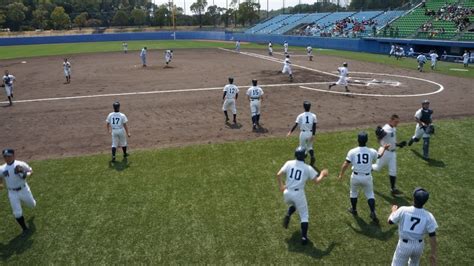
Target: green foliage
{"points": [[198, 8], [40, 18], [138, 17], [248, 12], [81, 19], [16, 15], [161, 16], [120, 18], [219, 204], [60, 19]]}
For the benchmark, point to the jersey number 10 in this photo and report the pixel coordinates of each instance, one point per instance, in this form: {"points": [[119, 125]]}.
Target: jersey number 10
{"points": [[297, 174]]}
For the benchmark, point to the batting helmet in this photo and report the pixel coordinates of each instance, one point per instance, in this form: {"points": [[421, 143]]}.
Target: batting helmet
{"points": [[254, 82], [116, 106], [344, 64], [300, 154], [231, 80], [362, 138], [307, 106], [420, 196], [425, 102], [8, 152]]}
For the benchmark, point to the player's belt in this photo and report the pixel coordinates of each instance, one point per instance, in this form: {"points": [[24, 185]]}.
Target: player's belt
{"points": [[296, 189], [357, 173], [406, 240], [253, 99], [307, 130], [17, 188]]}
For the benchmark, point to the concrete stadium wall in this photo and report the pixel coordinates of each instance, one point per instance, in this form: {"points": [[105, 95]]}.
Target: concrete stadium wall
{"points": [[370, 45]]}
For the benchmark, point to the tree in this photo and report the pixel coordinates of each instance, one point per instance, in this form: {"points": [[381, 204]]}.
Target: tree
{"points": [[248, 11], [120, 19], [59, 18], [93, 23], [81, 19], [40, 18], [198, 8], [138, 17], [3, 18], [213, 13], [161, 15], [16, 15]]}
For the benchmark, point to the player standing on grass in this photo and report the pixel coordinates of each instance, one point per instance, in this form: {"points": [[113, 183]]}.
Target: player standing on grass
{"points": [[343, 74], [237, 46], [434, 59], [231, 93], [8, 80], [297, 173], [125, 47], [421, 59], [465, 58], [307, 122], [285, 47]]}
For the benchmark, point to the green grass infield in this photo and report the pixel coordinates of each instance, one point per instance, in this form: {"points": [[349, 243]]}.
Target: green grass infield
{"points": [[220, 204]]}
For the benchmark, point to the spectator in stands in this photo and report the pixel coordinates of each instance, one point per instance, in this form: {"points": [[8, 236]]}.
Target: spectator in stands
{"points": [[396, 32], [374, 30], [423, 4], [411, 52]]}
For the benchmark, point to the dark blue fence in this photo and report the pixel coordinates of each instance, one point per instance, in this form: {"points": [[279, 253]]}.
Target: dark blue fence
{"points": [[370, 45]]}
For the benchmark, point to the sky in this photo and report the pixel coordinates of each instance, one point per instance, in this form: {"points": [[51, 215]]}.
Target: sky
{"points": [[272, 4]]}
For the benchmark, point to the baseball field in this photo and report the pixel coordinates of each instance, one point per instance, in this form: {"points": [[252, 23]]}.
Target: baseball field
{"points": [[196, 190]]}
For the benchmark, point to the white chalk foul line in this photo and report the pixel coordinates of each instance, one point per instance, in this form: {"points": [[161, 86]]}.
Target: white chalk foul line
{"points": [[150, 92], [269, 58]]}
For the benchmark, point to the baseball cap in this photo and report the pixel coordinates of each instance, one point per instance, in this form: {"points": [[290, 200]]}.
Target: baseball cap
{"points": [[8, 152], [425, 101]]}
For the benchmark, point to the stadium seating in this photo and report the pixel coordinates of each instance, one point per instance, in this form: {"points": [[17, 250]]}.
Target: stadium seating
{"points": [[290, 23], [261, 26]]}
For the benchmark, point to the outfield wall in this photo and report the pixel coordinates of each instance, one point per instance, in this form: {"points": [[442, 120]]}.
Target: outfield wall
{"points": [[370, 45]]}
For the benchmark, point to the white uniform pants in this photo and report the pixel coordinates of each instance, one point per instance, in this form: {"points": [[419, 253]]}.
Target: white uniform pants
{"points": [[306, 140], [297, 199], [389, 158], [22, 195], [67, 73], [287, 69], [143, 59], [270, 50], [119, 138], [361, 180], [420, 132], [342, 81], [408, 253], [255, 107], [8, 90], [229, 104]]}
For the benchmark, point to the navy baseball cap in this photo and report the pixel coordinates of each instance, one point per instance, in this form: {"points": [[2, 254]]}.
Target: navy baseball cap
{"points": [[8, 152]]}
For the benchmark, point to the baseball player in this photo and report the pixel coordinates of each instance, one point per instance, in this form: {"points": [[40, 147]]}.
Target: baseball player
{"points": [[270, 49], [287, 67], [392, 50], [255, 97], [343, 74], [285, 47], [309, 52], [67, 70], [297, 173], [125, 47], [13, 174], [168, 56], [388, 135], [117, 126], [434, 59], [413, 223], [231, 93], [143, 56], [424, 128], [8, 80], [465, 58], [307, 122], [421, 59], [361, 159], [237, 46]]}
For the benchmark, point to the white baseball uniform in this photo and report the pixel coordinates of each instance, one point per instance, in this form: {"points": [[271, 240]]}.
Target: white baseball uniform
{"points": [[465, 58], [297, 173], [343, 73], [361, 159], [125, 47], [143, 56], [285, 47], [309, 51], [8, 82], [413, 224], [117, 121], [434, 59], [305, 121], [421, 59], [168, 56], [237, 46], [255, 93], [229, 102], [422, 114], [67, 68], [18, 189], [390, 156], [270, 48], [392, 50], [287, 67]]}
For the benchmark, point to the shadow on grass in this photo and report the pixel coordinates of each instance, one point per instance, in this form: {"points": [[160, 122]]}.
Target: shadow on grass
{"points": [[294, 245], [431, 162], [372, 230], [19, 244], [399, 201], [119, 166], [260, 129]]}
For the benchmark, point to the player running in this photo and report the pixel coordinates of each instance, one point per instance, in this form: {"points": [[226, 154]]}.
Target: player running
{"points": [[343, 74], [67, 70], [287, 67], [307, 122]]}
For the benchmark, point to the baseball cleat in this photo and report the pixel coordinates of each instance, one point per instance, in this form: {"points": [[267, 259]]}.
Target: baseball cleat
{"points": [[352, 211], [113, 159], [286, 221], [374, 218], [125, 155], [304, 241], [397, 193]]}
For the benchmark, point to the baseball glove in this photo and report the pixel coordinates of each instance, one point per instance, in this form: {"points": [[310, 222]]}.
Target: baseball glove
{"points": [[402, 144], [380, 133], [19, 170], [430, 129]]}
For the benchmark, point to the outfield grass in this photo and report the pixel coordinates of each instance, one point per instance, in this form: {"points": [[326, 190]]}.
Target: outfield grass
{"points": [[25, 51], [220, 203]]}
